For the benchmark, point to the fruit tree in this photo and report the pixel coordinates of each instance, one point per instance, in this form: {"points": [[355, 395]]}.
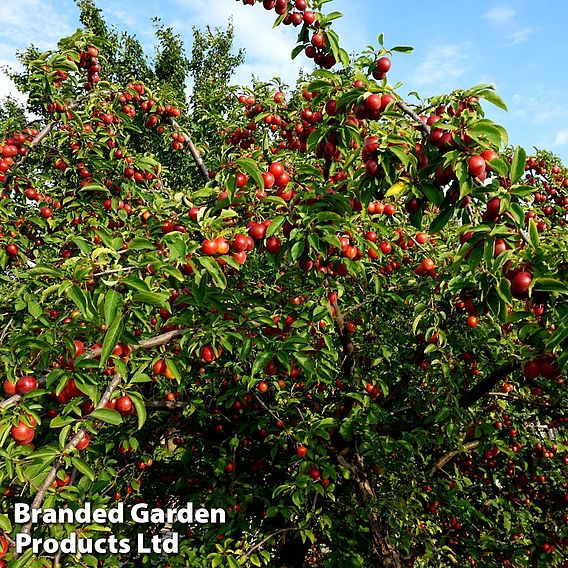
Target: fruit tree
{"points": [[337, 315]]}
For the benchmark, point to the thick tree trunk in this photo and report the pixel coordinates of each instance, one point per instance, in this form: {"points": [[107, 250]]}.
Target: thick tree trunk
{"points": [[383, 554]]}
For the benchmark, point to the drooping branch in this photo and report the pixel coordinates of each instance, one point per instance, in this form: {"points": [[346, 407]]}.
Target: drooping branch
{"points": [[157, 341], [71, 445]]}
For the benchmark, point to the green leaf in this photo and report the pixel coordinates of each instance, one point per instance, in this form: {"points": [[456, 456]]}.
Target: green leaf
{"points": [[5, 524], [152, 298], [112, 336], [140, 407], [441, 220], [113, 302], [261, 361], [83, 467], [250, 167], [533, 234], [403, 49], [214, 270], [34, 309], [107, 415], [518, 165], [77, 296], [549, 285]]}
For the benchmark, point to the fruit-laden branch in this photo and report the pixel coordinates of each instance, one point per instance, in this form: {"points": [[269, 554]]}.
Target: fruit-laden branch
{"points": [[38, 138], [412, 114], [487, 384], [193, 150], [71, 445], [150, 343], [451, 455]]}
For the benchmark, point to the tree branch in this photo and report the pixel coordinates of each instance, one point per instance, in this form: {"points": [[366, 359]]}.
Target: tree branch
{"points": [[451, 455], [483, 387], [412, 114], [193, 151], [267, 538], [71, 445]]}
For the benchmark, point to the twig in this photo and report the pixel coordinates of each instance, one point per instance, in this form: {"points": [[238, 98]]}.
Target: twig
{"points": [[5, 330], [407, 110], [12, 400], [451, 455], [165, 405], [267, 538], [116, 270], [193, 150]]}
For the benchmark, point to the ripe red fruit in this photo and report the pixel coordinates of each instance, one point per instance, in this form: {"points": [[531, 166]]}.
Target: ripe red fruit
{"points": [[12, 250], [239, 243], [273, 245], [268, 179], [389, 209], [476, 165], [22, 433], [421, 238], [83, 443], [472, 321], [386, 248], [258, 231], [241, 179], [208, 354], [489, 155], [302, 451], [262, 386], [276, 169], [46, 212], [159, 367], [209, 247], [9, 388], [383, 65], [428, 264], [123, 404], [318, 40], [26, 384], [520, 285], [3, 550], [314, 473], [531, 369], [373, 102]]}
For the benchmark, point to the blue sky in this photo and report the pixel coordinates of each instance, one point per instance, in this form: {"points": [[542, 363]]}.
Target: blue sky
{"points": [[519, 46]]}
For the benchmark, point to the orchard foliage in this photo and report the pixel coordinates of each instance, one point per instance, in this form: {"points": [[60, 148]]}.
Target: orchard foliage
{"points": [[345, 321]]}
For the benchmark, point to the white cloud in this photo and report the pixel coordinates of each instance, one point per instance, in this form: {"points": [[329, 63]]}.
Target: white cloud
{"points": [[267, 50], [443, 66], [561, 138], [522, 35], [501, 15]]}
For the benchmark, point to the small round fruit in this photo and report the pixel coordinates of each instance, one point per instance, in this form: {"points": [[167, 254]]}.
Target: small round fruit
{"points": [[84, 442], [262, 386], [302, 451], [26, 384], [472, 321], [383, 65], [123, 404]]}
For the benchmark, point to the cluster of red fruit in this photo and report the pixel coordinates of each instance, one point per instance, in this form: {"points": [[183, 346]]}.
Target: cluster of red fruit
{"points": [[89, 60], [14, 146]]}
